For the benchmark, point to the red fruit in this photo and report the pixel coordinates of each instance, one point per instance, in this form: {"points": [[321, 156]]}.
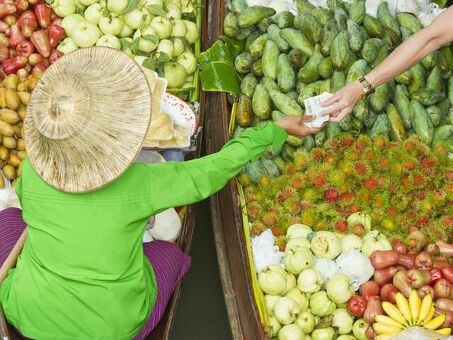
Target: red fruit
{"points": [[10, 19], [56, 21], [399, 246], [448, 273], [39, 68], [369, 289], [423, 261], [357, 305], [418, 278], [346, 141], [27, 23], [43, 15], [341, 227], [25, 48], [370, 184], [370, 333], [445, 248], [445, 304], [16, 36], [425, 290], [384, 276], [373, 308], [423, 220], [6, 9], [41, 41], [442, 289], [433, 249], [319, 182], [4, 54], [441, 263], [22, 73], [400, 282], [21, 5], [388, 292], [331, 195], [358, 230], [12, 65], [3, 26], [56, 34], [277, 231], [360, 168], [436, 275], [428, 162], [381, 259]]}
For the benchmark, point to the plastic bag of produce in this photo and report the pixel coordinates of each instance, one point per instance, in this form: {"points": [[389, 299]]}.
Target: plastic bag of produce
{"points": [[265, 253], [356, 266], [419, 333]]}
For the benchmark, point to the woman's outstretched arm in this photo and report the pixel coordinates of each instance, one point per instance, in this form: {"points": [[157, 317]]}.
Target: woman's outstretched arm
{"points": [[402, 58], [174, 184]]}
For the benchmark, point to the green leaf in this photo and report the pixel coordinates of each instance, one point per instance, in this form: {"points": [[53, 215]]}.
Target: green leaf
{"points": [[163, 57], [220, 76], [151, 38], [157, 10], [236, 47], [134, 46], [131, 4], [124, 44], [149, 63]]}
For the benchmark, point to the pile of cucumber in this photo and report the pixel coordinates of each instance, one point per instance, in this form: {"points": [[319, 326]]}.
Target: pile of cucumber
{"points": [[290, 58]]}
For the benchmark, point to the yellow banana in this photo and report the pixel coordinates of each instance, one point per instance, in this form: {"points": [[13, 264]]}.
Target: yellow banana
{"points": [[384, 328], [414, 304], [425, 307], [436, 322], [386, 336], [388, 320], [393, 312], [444, 331], [403, 306], [430, 315]]}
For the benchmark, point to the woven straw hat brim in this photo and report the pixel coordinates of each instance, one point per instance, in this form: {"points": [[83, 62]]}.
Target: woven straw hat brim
{"points": [[87, 119]]}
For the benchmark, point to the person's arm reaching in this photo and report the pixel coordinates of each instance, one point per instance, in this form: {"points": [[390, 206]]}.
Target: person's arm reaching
{"points": [[174, 184], [402, 58]]}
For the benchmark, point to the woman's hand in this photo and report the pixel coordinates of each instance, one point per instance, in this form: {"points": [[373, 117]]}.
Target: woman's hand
{"points": [[295, 125], [343, 101]]}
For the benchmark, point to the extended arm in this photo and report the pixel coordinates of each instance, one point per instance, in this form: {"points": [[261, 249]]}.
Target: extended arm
{"points": [[402, 58], [175, 184]]}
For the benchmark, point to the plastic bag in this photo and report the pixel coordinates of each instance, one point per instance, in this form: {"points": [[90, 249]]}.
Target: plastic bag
{"points": [[356, 266], [327, 268], [419, 333], [265, 253]]}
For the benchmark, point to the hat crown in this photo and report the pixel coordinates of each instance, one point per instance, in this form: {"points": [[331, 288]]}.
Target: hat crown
{"points": [[65, 110]]}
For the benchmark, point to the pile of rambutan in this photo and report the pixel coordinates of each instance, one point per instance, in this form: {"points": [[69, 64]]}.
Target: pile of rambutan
{"points": [[400, 185]]}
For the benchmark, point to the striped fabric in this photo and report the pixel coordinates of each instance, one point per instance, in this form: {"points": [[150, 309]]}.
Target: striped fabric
{"points": [[170, 264]]}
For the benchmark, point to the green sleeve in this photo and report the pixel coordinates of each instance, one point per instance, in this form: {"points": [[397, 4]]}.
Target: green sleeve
{"points": [[175, 184]]}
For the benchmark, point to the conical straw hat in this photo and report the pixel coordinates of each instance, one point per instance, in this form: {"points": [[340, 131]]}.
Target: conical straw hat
{"points": [[87, 119]]}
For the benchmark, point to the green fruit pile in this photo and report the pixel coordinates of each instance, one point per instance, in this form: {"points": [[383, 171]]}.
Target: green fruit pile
{"points": [[288, 59]]}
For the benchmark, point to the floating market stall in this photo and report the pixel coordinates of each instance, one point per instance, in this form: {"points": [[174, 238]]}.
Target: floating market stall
{"points": [[373, 191], [164, 37]]}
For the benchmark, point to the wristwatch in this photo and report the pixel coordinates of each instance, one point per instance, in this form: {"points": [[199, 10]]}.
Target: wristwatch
{"points": [[366, 86]]}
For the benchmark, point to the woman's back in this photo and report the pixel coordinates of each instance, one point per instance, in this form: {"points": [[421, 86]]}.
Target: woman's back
{"points": [[82, 272]]}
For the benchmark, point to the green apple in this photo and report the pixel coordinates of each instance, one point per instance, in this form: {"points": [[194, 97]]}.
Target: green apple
{"points": [[109, 40], [359, 328], [109, 25], [93, 13], [306, 322], [85, 34]]}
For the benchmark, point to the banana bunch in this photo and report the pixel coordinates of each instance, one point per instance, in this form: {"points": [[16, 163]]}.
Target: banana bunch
{"points": [[407, 313]]}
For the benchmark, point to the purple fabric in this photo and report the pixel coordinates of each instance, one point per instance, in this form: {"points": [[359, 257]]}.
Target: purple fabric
{"points": [[170, 264]]}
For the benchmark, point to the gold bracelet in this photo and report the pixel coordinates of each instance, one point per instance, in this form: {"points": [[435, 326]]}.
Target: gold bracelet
{"points": [[366, 86]]}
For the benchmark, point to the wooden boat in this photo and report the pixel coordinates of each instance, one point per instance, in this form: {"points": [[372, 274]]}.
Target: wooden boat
{"points": [[162, 331]]}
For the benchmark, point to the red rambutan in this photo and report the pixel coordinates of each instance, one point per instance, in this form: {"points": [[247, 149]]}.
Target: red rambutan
{"points": [[360, 168], [319, 181], [269, 219], [341, 226], [277, 231], [428, 162], [423, 220], [331, 195], [358, 229], [370, 183]]}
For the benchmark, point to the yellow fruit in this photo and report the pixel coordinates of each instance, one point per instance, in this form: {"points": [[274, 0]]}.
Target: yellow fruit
{"points": [[414, 304], [384, 328], [436, 322], [430, 315], [388, 320], [444, 331], [403, 306], [425, 307], [393, 312]]}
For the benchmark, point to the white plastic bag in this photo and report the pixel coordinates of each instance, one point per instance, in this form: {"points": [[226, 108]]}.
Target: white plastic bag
{"points": [[265, 252], [418, 333], [356, 266]]}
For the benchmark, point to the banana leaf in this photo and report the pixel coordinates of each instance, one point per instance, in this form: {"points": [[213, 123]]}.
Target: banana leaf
{"points": [[218, 73]]}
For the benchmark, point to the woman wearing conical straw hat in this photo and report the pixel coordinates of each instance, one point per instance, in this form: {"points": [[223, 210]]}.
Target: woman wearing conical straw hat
{"points": [[84, 272]]}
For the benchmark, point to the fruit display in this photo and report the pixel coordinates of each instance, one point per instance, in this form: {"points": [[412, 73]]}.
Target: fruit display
{"points": [[330, 285], [160, 35], [14, 97], [29, 34], [399, 185], [288, 58]]}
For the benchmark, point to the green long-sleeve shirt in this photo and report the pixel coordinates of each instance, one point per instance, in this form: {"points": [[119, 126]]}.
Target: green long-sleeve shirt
{"points": [[82, 273]]}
